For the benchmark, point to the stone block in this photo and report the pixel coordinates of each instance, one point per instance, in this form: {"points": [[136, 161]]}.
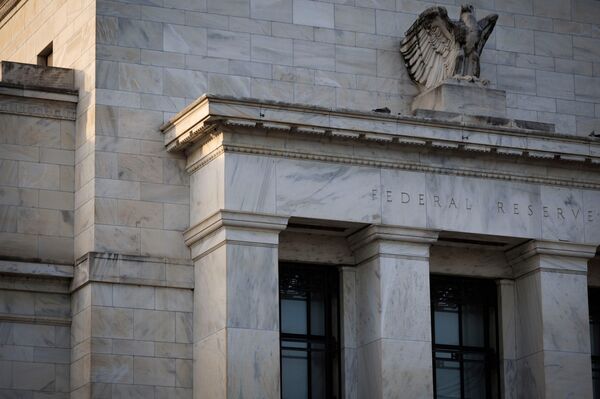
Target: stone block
{"points": [[33, 376], [314, 55], [112, 322], [140, 168], [462, 97], [184, 373], [38, 175], [131, 296], [140, 78], [184, 83], [518, 80], [272, 50], [8, 218], [117, 239], [292, 31], [163, 243], [174, 299], [557, 85], [272, 10], [553, 44], [9, 172], [391, 23], [586, 49], [227, 44], [154, 325], [112, 368], [184, 39], [516, 40], [239, 8], [355, 60], [140, 34], [235, 86], [184, 327], [313, 13], [354, 18], [154, 371], [173, 350], [129, 347]]}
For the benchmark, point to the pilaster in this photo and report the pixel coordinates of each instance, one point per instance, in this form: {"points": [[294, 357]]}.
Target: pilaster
{"points": [[236, 305], [552, 330], [393, 312]]}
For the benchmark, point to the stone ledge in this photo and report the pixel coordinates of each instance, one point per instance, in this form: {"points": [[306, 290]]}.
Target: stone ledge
{"points": [[132, 269], [36, 269], [30, 75], [202, 118]]}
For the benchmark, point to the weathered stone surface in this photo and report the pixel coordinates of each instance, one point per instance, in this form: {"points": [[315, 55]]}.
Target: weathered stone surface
{"points": [[464, 98]]}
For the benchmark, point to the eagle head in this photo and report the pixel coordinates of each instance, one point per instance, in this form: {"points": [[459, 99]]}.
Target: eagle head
{"points": [[466, 8]]}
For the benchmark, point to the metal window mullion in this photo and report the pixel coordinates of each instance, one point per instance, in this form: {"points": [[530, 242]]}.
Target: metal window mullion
{"points": [[460, 345]]}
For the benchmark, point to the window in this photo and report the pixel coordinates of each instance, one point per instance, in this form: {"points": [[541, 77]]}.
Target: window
{"points": [[309, 328], [464, 338], [594, 299], [45, 56]]}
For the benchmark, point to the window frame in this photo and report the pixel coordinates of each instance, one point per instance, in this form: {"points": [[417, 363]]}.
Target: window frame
{"points": [[594, 316], [490, 350], [331, 338]]}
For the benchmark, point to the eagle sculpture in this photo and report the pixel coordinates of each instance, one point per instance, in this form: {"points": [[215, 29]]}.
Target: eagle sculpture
{"points": [[436, 48]]}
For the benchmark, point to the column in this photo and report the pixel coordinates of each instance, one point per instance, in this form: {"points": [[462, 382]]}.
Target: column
{"points": [[348, 312], [393, 311], [236, 305], [507, 338], [552, 321]]}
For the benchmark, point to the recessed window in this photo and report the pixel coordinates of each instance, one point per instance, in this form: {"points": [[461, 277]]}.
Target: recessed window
{"points": [[594, 300], [464, 335], [45, 56], [309, 325]]}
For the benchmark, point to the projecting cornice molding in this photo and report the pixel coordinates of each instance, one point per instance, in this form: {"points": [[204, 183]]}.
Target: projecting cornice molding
{"points": [[436, 130], [6, 6]]}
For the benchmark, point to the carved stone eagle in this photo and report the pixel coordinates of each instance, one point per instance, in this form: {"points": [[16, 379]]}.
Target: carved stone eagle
{"points": [[436, 48]]}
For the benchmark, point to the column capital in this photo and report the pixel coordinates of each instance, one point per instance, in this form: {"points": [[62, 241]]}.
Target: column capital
{"points": [[544, 255], [391, 240], [235, 226]]}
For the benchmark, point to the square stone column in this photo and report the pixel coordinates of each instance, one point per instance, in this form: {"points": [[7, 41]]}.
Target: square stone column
{"points": [[552, 320], [393, 311], [236, 305], [507, 338]]}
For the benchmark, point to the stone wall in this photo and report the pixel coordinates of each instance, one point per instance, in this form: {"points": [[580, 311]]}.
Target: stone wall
{"points": [[159, 55], [70, 26], [34, 332], [37, 160]]}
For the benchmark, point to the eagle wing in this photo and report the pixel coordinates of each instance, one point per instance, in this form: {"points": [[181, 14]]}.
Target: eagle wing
{"points": [[487, 26], [430, 48]]}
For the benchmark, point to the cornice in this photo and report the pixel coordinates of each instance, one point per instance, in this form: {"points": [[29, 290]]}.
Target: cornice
{"points": [[391, 233], [6, 6], [532, 248], [462, 134]]}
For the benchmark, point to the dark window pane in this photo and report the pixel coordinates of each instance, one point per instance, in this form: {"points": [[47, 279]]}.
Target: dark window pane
{"points": [[473, 325], [293, 316], [447, 375], [446, 328], [595, 337], [474, 376], [317, 314], [318, 374], [294, 374]]}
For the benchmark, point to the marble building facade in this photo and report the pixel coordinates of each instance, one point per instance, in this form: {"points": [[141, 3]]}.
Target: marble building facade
{"points": [[143, 222]]}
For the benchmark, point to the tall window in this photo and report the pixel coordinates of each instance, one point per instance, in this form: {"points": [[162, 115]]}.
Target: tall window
{"points": [[464, 338], [309, 328], [594, 299]]}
